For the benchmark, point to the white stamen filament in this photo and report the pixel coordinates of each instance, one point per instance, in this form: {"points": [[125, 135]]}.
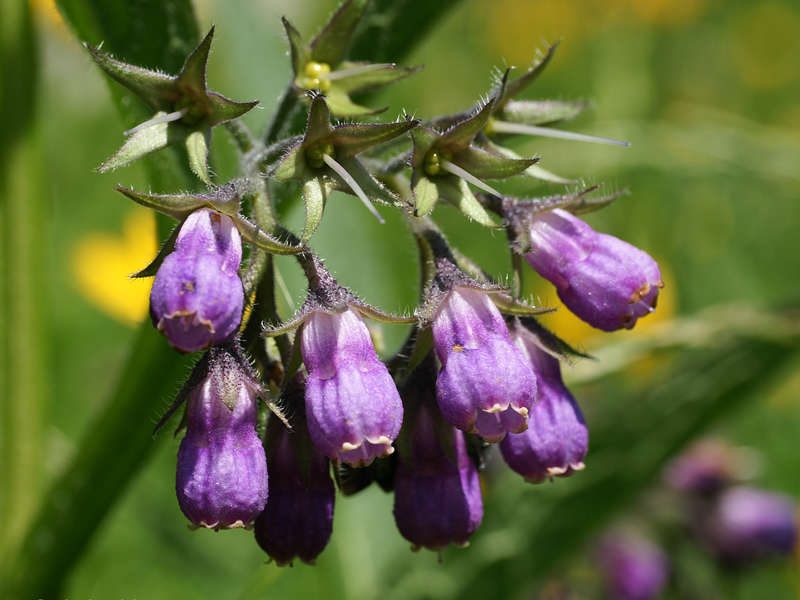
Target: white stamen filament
{"points": [[348, 179], [342, 73], [157, 120], [467, 176], [506, 127]]}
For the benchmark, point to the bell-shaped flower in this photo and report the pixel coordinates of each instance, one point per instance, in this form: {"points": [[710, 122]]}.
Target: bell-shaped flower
{"points": [[557, 438], [197, 296], [605, 281], [221, 477], [633, 567]]}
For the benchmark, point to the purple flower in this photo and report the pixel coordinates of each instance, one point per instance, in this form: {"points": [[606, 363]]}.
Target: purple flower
{"points": [[222, 471], [633, 567], [437, 493], [197, 296], [707, 467], [557, 438], [485, 386], [298, 518], [747, 524], [353, 408], [606, 282]]}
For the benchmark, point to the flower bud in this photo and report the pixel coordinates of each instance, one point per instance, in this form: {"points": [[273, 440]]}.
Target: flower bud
{"points": [[606, 282], [222, 471], [633, 567], [557, 438], [747, 524], [437, 493], [197, 296], [353, 408], [708, 466], [298, 518], [485, 385]]}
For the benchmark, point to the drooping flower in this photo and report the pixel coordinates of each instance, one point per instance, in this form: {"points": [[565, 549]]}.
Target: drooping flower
{"points": [[634, 568], [708, 466], [437, 494], [747, 524], [353, 407], [222, 471], [557, 439], [485, 386], [197, 296], [298, 519], [605, 281]]}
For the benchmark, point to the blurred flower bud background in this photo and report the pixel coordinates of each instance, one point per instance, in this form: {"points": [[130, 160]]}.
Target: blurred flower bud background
{"points": [[707, 93]]}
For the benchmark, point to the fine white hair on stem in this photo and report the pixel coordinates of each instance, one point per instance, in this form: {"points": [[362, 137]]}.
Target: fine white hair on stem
{"points": [[350, 181], [505, 127]]}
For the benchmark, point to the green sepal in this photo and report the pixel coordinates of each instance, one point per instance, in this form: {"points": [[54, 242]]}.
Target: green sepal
{"points": [[423, 139], [291, 166], [461, 134], [318, 125], [197, 150], [144, 141], [342, 106], [382, 317], [541, 112], [373, 188], [166, 248], [315, 196], [332, 42], [586, 204], [297, 48], [192, 77], [386, 75], [426, 193], [457, 192], [513, 87], [487, 165], [535, 171], [173, 205], [224, 109], [253, 234], [514, 306], [351, 139], [155, 88]]}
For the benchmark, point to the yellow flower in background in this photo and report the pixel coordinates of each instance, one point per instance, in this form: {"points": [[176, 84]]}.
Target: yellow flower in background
{"points": [[49, 11], [102, 264], [580, 335]]}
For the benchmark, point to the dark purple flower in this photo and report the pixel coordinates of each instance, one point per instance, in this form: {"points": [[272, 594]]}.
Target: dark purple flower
{"points": [[222, 471], [353, 407], [437, 493], [606, 282], [633, 567], [557, 438], [197, 296], [748, 524], [485, 386], [707, 467], [298, 518]]}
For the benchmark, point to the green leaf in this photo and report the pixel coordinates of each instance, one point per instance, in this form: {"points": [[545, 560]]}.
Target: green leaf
{"points": [[457, 192], [541, 112], [486, 165], [388, 74], [176, 206], [517, 85], [425, 196], [331, 44], [197, 150], [144, 141], [342, 106], [296, 47], [351, 139], [314, 197]]}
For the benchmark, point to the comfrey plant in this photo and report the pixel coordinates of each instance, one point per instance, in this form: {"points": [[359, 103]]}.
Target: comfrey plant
{"points": [[477, 367]]}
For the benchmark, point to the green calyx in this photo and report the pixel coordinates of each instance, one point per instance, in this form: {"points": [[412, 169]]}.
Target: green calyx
{"points": [[315, 155]]}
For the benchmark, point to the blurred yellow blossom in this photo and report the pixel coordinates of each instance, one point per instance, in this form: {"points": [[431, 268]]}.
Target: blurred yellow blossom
{"points": [[48, 10], [102, 264]]}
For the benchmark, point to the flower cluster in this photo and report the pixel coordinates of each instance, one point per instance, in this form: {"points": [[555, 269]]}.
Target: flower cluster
{"points": [[737, 525], [477, 368]]}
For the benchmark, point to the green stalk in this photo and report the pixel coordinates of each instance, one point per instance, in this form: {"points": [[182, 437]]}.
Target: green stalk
{"points": [[23, 356]]}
